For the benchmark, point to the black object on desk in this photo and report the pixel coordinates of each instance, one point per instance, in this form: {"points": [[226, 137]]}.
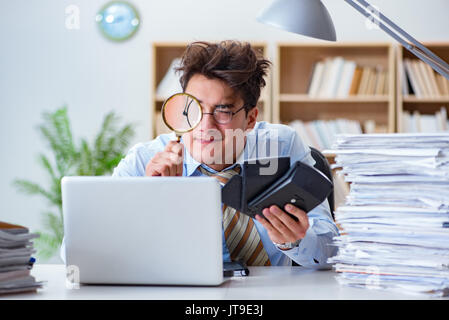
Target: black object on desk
{"points": [[235, 269], [300, 184]]}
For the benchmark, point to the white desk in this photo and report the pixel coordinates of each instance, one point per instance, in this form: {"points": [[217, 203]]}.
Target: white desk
{"points": [[269, 283]]}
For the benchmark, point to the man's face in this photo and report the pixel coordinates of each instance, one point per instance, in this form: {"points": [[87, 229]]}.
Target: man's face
{"points": [[214, 144]]}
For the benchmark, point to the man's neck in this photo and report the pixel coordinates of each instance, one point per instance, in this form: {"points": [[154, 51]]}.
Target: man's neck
{"points": [[227, 164], [219, 167]]}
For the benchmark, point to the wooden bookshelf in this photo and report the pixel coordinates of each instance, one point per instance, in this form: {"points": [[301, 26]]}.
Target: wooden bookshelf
{"points": [[424, 105], [163, 55], [293, 69]]}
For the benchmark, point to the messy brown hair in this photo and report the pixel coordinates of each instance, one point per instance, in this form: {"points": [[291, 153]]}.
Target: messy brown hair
{"points": [[236, 63]]}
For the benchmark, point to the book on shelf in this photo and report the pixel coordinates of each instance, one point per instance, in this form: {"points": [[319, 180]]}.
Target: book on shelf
{"points": [[415, 88], [415, 122], [348, 73], [16, 261], [420, 80], [317, 76], [364, 81], [443, 85], [355, 83], [405, 81], [371, 84], [336, 77], [169, 84], [423, 78], [433, 80], [320, 134]]}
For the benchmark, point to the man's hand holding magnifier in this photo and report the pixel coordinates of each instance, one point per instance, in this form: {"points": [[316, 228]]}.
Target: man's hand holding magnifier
{"points": [[181, 113], [168, 162]]}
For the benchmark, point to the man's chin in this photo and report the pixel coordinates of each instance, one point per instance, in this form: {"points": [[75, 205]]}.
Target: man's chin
{"points": [[211, 152]]}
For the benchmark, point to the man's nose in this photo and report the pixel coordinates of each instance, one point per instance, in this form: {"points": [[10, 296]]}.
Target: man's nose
{"points": [[208, 121]]}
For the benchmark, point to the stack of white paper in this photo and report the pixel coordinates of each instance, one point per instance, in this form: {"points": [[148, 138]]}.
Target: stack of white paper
{"points": [[395, 220], [15, 259]]}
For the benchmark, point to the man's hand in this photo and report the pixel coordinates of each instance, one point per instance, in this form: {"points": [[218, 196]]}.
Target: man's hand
{"points": [[168, 162], [281, 227]]}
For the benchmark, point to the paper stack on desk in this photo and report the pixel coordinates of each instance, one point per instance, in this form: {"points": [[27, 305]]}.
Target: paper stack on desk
{"points": [[15, 259], [395, 220]]}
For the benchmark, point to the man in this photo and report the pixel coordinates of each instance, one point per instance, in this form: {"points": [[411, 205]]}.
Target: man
{"points": [[226, 78]]}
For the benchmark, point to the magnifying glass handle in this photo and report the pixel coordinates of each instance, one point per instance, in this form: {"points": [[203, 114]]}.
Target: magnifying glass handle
{"points": [[178, 138]]}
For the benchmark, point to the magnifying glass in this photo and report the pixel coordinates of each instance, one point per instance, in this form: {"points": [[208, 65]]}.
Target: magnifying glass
{"points": [[181, 113]]}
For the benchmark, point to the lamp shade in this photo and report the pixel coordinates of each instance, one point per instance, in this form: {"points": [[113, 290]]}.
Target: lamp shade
{"points": [[306, 17]]}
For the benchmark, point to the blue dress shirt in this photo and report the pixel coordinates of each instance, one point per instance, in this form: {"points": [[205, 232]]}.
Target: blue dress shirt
{"points": [[265, 140]]}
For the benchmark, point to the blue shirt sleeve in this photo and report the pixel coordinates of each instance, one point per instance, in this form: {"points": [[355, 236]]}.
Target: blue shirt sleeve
{"points": [[135, 162]]}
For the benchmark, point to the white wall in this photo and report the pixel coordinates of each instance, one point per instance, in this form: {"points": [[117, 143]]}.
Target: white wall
{"points": [[43, 65]]}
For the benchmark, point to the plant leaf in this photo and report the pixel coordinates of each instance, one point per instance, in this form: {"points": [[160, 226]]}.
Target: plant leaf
{"points": [[32, 188], [106, 152], [55, 224], [47, 245]]}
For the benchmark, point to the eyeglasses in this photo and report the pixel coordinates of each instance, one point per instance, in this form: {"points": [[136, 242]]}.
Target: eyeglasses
{"points": [[223, 116]]}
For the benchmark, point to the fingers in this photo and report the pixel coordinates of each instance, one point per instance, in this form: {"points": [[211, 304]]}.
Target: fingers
{"points": [[173, 162], [283, 228], [168, 162], [174, 147], [273, 233], [279, 220], [298, 213], [175, 152]]}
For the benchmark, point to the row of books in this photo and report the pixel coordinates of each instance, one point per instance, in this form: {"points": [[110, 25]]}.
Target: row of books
{"points": [[422, 81], [321, 134], [16, 259], [417, 122], [335, 77]]}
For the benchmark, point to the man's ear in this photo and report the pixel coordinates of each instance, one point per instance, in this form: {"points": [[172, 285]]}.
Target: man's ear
{"points": [[251, 118]]}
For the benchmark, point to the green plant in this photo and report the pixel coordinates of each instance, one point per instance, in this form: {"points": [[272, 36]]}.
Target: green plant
{"points": [[99, 158]]}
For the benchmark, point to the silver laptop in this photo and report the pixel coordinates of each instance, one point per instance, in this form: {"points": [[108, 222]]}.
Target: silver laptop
{"points": [[144, 230]]}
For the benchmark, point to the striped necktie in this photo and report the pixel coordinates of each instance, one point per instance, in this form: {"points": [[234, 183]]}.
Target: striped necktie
{"points": [[242, 238]]}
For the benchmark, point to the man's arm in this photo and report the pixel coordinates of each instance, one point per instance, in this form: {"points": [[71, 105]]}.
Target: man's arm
{"points": [[138, 157], [316, 246], [315, 230]]}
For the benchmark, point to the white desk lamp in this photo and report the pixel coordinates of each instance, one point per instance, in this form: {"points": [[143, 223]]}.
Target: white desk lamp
{"points": [[311, 18]]}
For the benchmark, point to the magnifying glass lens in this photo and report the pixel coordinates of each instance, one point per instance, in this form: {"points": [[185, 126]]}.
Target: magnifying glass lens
{"points": [[181, 113]]}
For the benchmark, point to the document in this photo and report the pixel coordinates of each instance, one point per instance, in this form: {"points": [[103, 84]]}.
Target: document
{"points": [[16, 249], [395, 219]]}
